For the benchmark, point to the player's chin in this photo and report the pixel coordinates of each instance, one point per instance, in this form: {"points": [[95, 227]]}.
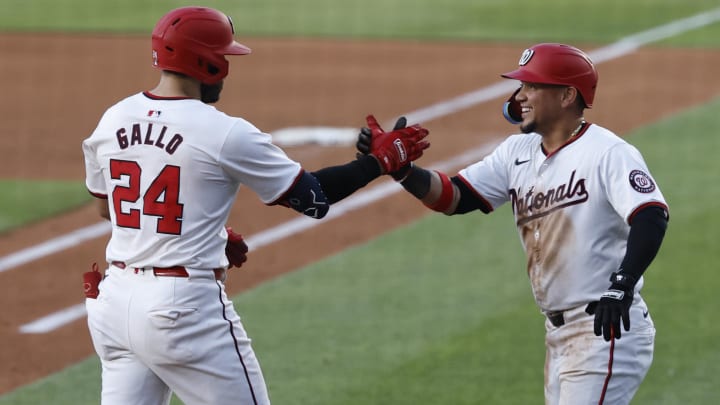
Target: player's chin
{"points": [[527, 126]]}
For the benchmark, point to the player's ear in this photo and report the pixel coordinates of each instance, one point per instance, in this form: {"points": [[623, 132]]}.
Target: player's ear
{"points": [[569, 96]]}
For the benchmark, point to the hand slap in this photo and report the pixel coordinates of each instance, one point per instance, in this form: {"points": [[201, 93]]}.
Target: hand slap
{"points": [[397, 148], [366, 134]]}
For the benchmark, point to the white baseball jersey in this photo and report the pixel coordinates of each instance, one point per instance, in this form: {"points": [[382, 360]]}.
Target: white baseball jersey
{"points": [[572, 208], [171, 169]]}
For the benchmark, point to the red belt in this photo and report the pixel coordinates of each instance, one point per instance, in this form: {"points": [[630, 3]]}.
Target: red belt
{"points": [[175, 271]]}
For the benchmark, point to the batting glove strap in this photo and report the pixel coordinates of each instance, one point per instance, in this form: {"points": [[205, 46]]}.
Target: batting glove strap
{"points": [[623, 280], [613, 293]]}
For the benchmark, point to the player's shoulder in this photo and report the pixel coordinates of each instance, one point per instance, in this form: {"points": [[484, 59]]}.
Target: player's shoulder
{"points": [[601, 136], [605, 144]]}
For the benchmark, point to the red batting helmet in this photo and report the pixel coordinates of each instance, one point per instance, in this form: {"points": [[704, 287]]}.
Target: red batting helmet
{"points": [[194, 41], [558, 64]]}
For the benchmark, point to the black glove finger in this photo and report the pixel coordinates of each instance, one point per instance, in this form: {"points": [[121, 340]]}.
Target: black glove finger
{"points": [[364, 140], [626, 319], [400, 123], [362, 147], [598, 321], [607, 325], [615, 323]]}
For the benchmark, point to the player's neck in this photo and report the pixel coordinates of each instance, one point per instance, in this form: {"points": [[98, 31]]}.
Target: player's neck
{"points": [[561, 134], [172, 85]]}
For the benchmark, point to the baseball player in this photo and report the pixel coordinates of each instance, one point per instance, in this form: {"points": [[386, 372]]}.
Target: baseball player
{"points": [[166, 166], [590, 217]]}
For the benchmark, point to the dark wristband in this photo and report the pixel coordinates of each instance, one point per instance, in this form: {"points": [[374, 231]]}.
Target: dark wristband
{"points": [[417, 182], [623, 281], [403, 173]]}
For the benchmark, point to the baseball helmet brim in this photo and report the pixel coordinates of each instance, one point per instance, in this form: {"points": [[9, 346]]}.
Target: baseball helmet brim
{"points": [[236, 48]]}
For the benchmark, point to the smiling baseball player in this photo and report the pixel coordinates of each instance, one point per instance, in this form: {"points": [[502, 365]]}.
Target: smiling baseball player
{"points": [[166, 167], [590, 217]]}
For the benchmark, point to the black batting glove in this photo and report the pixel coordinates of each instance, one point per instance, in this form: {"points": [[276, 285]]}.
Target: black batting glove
{"points": [[614, 306]]}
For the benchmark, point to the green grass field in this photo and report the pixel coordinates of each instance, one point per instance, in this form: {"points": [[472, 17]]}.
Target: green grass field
{"points": [[26, 201], [582, 21], [441, 311]]}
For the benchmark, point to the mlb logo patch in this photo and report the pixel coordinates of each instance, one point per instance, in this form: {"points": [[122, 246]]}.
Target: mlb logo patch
{"points": [[154, 113]]}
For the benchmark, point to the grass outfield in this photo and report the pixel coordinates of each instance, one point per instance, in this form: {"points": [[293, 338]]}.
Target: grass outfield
{"points": [[24, 201], [441, 311], [595, 21]]}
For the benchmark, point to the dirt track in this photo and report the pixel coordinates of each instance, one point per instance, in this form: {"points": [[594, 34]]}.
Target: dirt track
{"points": [[56, 88]]}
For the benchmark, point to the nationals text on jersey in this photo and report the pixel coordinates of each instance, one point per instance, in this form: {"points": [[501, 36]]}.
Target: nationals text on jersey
{"points": [[564, 195], [136, 138]]}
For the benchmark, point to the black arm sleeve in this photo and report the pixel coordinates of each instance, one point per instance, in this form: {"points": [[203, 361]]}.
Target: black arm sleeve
{"points": [[647, 231], [339, 182], [469, 200], [417, 182]]}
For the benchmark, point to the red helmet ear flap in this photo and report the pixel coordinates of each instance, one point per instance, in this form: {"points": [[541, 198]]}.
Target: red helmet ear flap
{"points": [[512, 110]]}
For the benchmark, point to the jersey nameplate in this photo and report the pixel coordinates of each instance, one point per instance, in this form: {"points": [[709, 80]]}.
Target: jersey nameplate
{"points": [[149, 138]]}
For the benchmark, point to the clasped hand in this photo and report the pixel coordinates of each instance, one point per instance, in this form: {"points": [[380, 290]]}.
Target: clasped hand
{"points": [[395, 149]]}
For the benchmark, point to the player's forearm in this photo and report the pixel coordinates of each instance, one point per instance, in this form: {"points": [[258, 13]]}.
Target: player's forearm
{"points": [[434, 189], [646, 235], [441, 193], [340, 181]]}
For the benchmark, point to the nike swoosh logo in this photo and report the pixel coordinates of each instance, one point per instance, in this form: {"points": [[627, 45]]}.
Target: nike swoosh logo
{"points": [[645, 314], [519, 162]]}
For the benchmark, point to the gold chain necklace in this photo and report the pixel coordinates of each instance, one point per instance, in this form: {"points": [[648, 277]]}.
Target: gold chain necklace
{"points": [[575, 132]]}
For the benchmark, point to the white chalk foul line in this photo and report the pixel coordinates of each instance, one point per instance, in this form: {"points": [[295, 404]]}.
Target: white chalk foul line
{"points": [[55, 320], [55, 245], [615, 50]]}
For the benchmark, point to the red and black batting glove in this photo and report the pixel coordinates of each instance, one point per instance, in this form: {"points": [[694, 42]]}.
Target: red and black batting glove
{"points": [[614, 306], [365, 136], [394, 150], [235, 249]]}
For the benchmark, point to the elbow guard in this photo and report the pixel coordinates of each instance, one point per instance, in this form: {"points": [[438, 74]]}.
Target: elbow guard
{"points": [[307, 197]]}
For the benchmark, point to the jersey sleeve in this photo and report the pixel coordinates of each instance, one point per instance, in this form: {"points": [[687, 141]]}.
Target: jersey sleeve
{"points": [[489, 177], [94, 180], [250, 157], [627, 182]]}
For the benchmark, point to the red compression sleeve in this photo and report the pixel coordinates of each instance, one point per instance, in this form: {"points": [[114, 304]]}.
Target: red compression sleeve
{"points": [[446, 194]]}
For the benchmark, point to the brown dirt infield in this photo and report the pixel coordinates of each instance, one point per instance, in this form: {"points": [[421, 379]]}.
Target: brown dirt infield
{"points": [[56, 88]]}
